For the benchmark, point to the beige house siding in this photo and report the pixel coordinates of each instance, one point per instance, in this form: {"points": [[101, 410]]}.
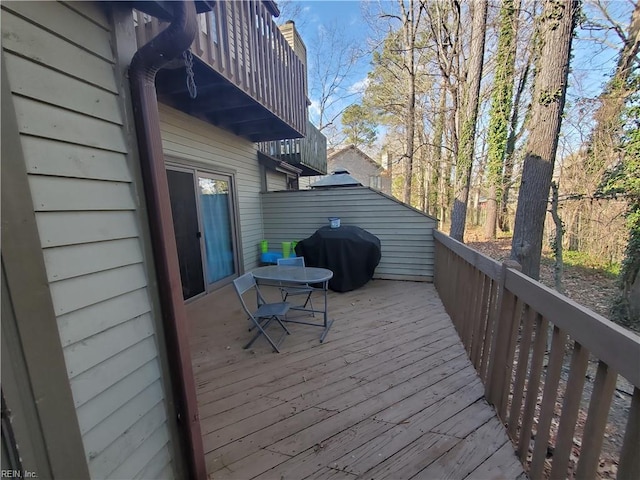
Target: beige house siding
{"points": [[304, 183], [193, 142], [276, 181], [60, 66], [406, 235]]}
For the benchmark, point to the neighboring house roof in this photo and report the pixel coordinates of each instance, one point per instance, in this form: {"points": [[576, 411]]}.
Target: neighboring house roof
{"points": [[340, 151], [340, 178]]}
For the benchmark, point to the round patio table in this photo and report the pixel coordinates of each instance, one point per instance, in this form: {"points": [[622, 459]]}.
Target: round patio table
{"points": [[303, 276]]}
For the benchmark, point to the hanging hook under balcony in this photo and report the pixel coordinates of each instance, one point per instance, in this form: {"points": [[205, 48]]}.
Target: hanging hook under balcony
{"points": [[191, 83]]}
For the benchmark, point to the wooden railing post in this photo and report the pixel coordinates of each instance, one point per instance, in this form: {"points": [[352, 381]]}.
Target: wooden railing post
{"points": [[502, 325], [629, 459]]}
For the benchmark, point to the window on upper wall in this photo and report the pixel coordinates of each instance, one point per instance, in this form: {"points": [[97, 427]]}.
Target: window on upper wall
{"points": [[202, 204], [374, 181]]}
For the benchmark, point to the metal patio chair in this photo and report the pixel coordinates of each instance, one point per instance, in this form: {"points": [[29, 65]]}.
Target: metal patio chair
{"points": [[291, 290], [266, 312]]}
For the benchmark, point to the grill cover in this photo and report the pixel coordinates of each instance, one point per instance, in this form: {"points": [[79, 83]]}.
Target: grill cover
{"points": [[351, 253]]}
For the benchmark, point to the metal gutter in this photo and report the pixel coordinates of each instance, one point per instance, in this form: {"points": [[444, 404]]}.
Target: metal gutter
{"points": [[146, 63]]}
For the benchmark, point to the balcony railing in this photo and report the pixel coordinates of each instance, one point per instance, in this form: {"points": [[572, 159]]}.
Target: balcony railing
{"points": [[506, 321], [309, 153], [243, 45]]}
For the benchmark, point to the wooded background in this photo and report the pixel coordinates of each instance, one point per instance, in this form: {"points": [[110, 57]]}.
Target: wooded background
{"points": [[469, 100]]}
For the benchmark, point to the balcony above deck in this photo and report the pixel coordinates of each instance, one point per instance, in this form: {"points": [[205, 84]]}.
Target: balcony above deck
{"points": [[309, 153], [249, 80]]}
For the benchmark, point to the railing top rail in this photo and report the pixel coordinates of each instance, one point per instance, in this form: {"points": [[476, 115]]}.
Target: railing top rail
{"points": [[614, 345], [486, 265]]}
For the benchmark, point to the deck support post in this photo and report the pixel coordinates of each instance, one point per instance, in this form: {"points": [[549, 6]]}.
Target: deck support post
{"points": [[502, 322]]}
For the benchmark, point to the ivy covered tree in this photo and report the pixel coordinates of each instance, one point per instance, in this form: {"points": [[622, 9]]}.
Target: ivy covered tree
{"points": [[557, 24], [358, 126], [623, 180], [500, 112]]}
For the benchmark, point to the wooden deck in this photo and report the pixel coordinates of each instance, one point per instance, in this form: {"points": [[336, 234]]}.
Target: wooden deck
{"points": [[390, 394]]}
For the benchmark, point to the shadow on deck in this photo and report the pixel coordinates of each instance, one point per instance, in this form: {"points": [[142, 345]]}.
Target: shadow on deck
{"points": [[390, 394]]}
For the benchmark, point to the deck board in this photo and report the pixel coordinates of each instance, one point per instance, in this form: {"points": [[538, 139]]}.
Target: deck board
{"points": [[390, 394]]}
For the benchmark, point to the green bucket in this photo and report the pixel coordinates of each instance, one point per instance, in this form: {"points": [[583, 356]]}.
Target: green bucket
{"points": [[286, 249], [264, 246]]}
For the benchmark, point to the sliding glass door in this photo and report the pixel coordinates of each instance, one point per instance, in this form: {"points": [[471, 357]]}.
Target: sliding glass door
{"points": [[202, 204]]}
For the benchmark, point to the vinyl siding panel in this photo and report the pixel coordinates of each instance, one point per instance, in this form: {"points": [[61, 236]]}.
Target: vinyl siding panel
{"points": [[145, 451], [45, 85], [86, 322], [75, 293], [49, 157], [32, 41], [193, 142], [92, 413], [276, 181], [76, 260], [60, 66], [92, 383], [92, 35], [48, 121], [406, 235], [59, 194], [155, 467], [84, 355], [100, 437], [73, 228]]}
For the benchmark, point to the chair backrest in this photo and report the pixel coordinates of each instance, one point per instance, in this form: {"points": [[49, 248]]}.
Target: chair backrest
{"points": [[293, 261], [242, 285]]}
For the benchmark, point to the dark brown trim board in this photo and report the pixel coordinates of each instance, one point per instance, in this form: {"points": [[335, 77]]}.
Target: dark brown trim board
{"points": [[125, 47], [30, 297]]}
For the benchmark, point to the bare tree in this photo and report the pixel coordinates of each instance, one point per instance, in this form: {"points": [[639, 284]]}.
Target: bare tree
{"points": [[409, 17], [471, 97], [330, 68], [557, 24], [444, 24]]}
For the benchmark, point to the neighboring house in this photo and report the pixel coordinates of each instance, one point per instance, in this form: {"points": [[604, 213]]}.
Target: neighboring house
{"points": [[361, 167], [96, 372]]}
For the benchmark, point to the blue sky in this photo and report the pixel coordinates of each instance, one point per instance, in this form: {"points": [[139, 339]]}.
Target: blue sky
{"points": [[591, 67], [311, 18]]}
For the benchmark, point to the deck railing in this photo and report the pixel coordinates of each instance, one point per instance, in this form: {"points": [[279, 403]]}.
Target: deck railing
{"points": [[309, 152], [505, 320], [242, 43]]}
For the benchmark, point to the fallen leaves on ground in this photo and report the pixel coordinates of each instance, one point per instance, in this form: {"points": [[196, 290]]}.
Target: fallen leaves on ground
{"points": [[589, 288]]}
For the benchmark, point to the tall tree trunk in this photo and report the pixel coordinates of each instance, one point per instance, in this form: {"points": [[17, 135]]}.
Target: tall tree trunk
{"points": [[509, 160], [410, 130], [557, 26], [500, 112], [469, 121], [423, 186], [558, 268], [491, 209], [411, 20], [438, 136]]}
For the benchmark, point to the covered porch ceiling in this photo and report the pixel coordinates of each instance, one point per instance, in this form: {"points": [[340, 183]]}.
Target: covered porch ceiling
{"points": [[221, 103]]}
